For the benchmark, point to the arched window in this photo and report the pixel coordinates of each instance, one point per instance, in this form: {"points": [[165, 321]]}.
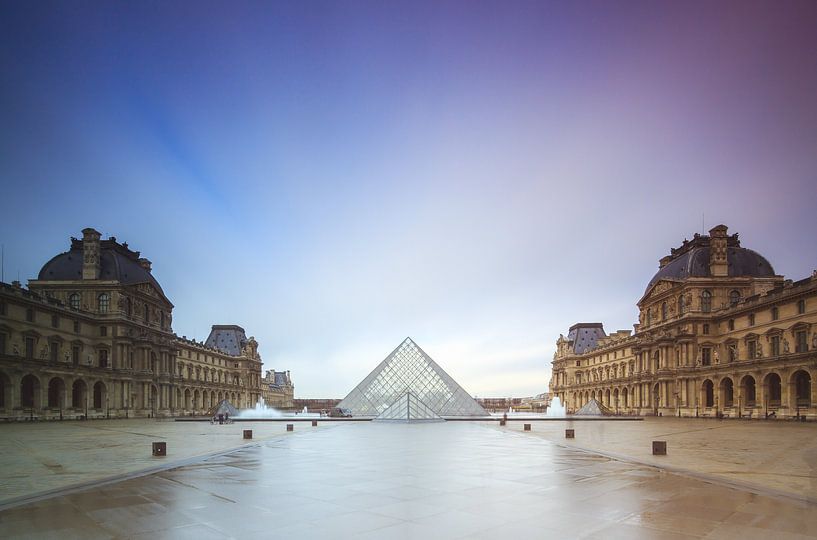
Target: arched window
{"points": [[706, 301], [664, 311], [734, 298], [104, 301], [73, 301]]}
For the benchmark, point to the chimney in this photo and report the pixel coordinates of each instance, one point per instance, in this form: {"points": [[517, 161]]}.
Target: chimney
{"points": [[718, 263], [144, 263], [90, 253]]}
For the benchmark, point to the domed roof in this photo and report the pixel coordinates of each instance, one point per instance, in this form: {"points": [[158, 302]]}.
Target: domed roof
{"points": [[117, 263], [742, 262]]}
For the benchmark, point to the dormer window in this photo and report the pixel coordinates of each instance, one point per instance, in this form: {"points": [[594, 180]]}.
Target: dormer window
{"points": [[706, 301], [734, 298], [103, 301]]}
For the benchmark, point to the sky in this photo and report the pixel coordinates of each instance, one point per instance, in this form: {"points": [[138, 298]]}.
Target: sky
{"points": [[336, 176]]}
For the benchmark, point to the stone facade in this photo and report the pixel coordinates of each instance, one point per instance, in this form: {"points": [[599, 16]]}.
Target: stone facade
{"points": [[92, 337], [277, 389], [719, 334]]}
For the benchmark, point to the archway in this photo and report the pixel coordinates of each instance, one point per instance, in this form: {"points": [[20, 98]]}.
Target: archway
{"points": [[772, 389], [615, 398], [99, 395], [802, 388], [625, 397], [607, 397], [187, 406], [656, 398], [30, 392], [708, 391], [748, 391], [5, 391], [727, 392], [79, 391], [154, 398], [56, 393], [196, 400]]}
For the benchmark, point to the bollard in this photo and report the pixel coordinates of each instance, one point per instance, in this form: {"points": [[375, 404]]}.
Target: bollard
{"points": [[248, 434], [314, 423], [659, 448], [501, 421], [290, 427], [160, 449], [527, 427], [570, 434]]}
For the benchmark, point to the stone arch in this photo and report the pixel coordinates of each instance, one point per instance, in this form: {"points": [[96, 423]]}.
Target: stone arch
{"points": [[726, 392], [196, 399], [154, 399], [100, 392], [5, 391], [56, 393], [607, 397], [801, 388], [772, 389], [615, 398], [748, 391], [30, 397], [625, 396], [708, 393], [187, 405], [79, 394]]}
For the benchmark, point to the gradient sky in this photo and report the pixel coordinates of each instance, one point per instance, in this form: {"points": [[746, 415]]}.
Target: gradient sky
{"points": [[336, 176]]}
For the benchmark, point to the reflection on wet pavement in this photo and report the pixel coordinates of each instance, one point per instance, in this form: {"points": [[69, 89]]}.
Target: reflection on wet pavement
{"points": [[451, 480]]}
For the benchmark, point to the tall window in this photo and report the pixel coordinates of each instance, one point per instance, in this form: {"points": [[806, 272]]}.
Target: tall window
{"points": [[801, 307], [706, 356], [664, 311], [30, 315], [103, 358], [775, 345], [55, 321], [751, 348], [104, 302], [29, 348], [55, 351], [73, 301], [734, 298], [649, 317], [731, 324], [751, 319], [681, 306], [128, 307], [706, 328], [800, 341], [775, 313], [2, 343], [2, 308], [706, 301]]}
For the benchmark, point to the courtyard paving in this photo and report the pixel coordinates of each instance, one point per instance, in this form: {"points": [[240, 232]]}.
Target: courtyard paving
{"points": [[374, 480]]}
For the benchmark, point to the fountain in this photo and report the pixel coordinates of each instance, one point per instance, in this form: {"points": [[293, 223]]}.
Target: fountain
{"points": [[556, 409], [260, 411]]}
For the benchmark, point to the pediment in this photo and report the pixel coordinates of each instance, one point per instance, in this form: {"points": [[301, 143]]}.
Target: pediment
{"points": [[659, 288]]}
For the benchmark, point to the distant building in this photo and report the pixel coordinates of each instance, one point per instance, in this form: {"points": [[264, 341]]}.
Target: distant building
{"points": [[277, 389], [719, 333], [92, 336]]}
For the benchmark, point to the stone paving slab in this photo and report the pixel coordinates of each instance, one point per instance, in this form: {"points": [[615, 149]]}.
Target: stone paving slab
{"points": [[451, 480], [37, 458], [775, 457]]}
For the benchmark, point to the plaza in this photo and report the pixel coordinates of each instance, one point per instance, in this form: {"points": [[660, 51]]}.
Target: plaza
{"points": [[385, 480]]}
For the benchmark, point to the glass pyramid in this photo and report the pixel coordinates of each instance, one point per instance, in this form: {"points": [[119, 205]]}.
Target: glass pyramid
{"points": [[408, 369], [409, 408]]}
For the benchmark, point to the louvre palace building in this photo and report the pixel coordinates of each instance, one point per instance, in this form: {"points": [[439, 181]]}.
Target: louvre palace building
{"points": [[92, 337], [719, 335]]}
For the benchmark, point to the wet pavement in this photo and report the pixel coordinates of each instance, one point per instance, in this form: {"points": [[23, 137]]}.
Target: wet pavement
{"points": [[374, 480]]}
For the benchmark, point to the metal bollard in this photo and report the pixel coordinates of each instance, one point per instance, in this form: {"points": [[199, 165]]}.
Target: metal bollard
{"points": [[314, 423], [160, 449], [659, 448], [527, 427], [290, 427], [570, 434], [248, 434]]}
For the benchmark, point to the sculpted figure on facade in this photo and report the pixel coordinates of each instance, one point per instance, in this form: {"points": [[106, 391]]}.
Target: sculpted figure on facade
{"points": [[785, 346]]}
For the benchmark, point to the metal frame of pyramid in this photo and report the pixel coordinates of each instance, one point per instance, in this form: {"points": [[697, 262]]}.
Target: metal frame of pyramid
{"points": [[408, 369], [593, 408], [409, 408]]}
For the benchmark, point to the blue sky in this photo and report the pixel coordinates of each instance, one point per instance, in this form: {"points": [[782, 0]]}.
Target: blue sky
{"points": [[335, 176]]}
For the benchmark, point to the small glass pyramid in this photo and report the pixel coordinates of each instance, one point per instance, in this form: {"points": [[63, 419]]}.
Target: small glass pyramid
{"points": [[408, 369], [409, 408]]}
